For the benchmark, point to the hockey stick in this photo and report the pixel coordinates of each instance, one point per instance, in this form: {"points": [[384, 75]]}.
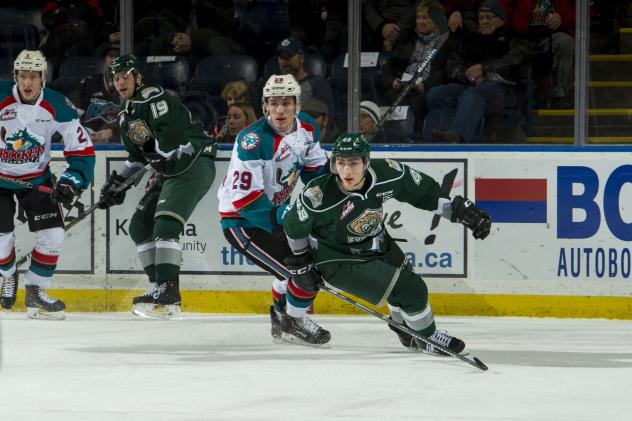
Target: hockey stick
{"points": [[475, 362], [122, 187], [409, 85]]}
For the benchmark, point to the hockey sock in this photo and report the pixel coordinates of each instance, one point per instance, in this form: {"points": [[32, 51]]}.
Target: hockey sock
{"points": [[168, 249], [147, 255], [7, 253], [279, 289], [298, 300]]}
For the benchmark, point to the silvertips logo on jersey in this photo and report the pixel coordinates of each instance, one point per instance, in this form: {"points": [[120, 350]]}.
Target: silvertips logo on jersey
{"points": [[250, 141], [366, 223], [20, 147]]}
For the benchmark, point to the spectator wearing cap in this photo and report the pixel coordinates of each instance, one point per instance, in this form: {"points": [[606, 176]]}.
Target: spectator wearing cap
{"points": [[291, 59], [550, 26], [98, 102], [319, 112], [409, 54], [484, 72], [370, 115]]}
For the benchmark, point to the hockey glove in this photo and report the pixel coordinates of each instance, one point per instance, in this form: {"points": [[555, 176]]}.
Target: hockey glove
{"points": [[64, 192], [109, 196], [476, 219], [304, 272]]}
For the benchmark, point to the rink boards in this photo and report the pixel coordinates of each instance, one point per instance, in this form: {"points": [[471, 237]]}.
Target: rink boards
{"points": [[559, 245]]}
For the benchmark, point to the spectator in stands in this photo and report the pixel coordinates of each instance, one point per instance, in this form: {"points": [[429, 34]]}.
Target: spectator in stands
{"points": [[319, 26], [73, 28], [98, 103], [290, 55], [156, 22], [370, 115], [239, 116], [550, 25], [237, 91], [409, 54], [462, 15], [319, 112], [485, 70], [390, 20], [214, 33]]}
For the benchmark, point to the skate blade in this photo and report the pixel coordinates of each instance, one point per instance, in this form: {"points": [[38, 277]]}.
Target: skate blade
{"points": [[170, 312], [41, 314], [286, 338]]}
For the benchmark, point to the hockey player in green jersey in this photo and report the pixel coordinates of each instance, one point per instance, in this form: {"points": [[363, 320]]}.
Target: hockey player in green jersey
{"points": [[336, 232], [157, 129]]}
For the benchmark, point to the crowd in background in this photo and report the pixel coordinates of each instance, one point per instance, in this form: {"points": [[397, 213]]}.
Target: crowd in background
{"points": [[502, 60]]}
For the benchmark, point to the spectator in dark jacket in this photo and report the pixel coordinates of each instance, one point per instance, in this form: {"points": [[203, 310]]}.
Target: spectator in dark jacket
{"points": [[98, 103], [408, 55], [390, 20], [484, 70], [550, 25], [291, 57], [462, 15]]}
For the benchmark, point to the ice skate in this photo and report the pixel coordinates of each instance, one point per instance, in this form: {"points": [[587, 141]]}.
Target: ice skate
{"points": [[276, 331], [163, 303], [303, 331], [147, 296], [442, 338], [40, 306], [9, 290]]}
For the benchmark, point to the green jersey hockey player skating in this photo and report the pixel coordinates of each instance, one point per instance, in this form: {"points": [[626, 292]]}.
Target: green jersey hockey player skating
{"points": [[157, 129], [335, 229]]}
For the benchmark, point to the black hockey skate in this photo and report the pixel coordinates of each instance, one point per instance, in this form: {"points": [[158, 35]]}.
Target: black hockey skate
{"points": [[9, 290], [439, 336], [303, 331], [276, 331], [164, 302], [41, 306], [147, 296]]}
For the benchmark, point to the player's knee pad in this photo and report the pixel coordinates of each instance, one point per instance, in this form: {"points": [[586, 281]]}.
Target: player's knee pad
{"points": [[166, 236], [140, 229], [167, 227], [50, 241]]}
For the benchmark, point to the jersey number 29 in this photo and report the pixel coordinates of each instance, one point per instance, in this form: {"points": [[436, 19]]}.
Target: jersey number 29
{"points": [[242, 182]]}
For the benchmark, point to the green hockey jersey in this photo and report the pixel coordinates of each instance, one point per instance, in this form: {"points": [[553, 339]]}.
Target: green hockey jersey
{"points": [[154, 115], [347, 226]]}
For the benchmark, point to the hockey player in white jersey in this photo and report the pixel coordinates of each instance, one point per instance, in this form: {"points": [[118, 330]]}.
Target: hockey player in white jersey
{"points": [[267, 160], [29, 116]]}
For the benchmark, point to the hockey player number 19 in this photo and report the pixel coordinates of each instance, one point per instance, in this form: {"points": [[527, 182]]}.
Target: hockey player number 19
{"points": [[242, 182]]}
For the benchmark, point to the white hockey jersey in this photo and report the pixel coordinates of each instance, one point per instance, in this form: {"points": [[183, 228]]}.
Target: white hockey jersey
{"points": [[25, 137], [264, 169]]}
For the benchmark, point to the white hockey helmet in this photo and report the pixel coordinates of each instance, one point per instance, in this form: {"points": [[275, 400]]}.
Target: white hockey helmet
{"points": [[33, 61], [282, 85]]}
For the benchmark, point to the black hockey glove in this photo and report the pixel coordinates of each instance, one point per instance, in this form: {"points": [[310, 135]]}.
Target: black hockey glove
{"points": [[64, 192], [304, 271], [157, 161], [476, 219], [109, 196]]}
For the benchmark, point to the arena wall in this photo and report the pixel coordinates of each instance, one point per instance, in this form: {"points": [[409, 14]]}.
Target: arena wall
{"points": [[560, 244]]}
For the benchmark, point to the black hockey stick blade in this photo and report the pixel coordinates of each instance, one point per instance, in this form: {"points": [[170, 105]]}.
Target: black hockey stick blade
{"points": [[475, 362]]}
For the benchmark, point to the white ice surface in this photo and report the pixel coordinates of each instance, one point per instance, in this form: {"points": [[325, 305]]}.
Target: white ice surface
{"points": [[212, 367]]}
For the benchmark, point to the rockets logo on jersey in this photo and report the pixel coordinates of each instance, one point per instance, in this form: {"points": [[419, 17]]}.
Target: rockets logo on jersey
{"points": [[20, 147], [9, 114], [250, 141], [366, 223]]}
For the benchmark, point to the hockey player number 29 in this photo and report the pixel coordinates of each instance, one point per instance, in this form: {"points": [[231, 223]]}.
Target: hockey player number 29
{"points": [[242, 182]]}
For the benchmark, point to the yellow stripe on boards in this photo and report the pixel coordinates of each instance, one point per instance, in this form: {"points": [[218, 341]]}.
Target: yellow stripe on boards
{"points": [[258, 302]]}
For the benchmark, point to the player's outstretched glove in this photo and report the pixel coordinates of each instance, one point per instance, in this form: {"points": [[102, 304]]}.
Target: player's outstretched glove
{"points": [[476, 219], [304, 271], [64, 192], [109, 196]]}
